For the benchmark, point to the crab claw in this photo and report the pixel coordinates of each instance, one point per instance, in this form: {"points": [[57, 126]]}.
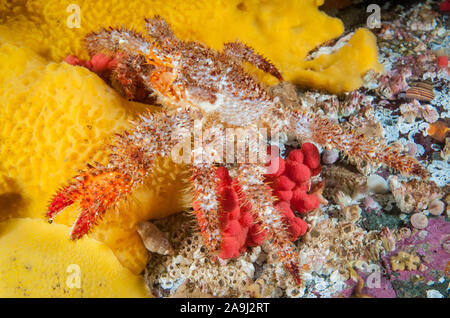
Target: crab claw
{"points": [[86, 219], [96, 190], [60, 201]]}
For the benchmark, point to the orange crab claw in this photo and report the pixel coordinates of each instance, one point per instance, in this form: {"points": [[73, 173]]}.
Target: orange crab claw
{"points": [[85, 221], [60, 201], [97, 190]]}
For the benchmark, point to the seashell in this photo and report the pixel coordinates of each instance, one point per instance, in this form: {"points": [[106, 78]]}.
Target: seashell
{"points": [[419, 221], [430, 114], [330, 156], [377, 184], [153, 239], [411, 149], [436, 207], [421, 91]]}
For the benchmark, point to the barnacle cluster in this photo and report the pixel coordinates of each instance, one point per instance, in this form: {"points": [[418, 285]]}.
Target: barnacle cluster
{"points": [[192, 263], [414, 195]]}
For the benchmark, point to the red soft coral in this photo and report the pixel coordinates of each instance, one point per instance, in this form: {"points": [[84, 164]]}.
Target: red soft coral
{"points": [[291, 187], [296, 155], [303, 202], [311, 155], [296, 226], [99, 63], [238, 227], [297, 172]]}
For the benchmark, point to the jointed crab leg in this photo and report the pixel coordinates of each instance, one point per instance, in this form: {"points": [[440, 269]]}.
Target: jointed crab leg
{"points": [[307, 126], [258, 193], [101, 187], [112, 42], [158, 29], [206, 204], [243, 52]]}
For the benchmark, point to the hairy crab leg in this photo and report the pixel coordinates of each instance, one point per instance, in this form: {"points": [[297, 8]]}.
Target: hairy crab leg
{"points": [[96, 189], [259, 195], [123, 78], [206, 204], [101, 187], [243, 52], [112, 42], [159, 30], [307, 126], [208, 150]]}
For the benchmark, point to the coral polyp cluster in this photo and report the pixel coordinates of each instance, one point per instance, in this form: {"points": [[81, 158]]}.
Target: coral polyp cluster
{"points": [[199, 85], [239, 230]]}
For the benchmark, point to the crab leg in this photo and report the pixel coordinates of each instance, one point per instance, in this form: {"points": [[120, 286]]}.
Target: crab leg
{"points": [[96, 189], [258, 193], [307, 126], [101, 187], [112, 41], [207, 153], [158, 29], [206, 204], [243, 52]]}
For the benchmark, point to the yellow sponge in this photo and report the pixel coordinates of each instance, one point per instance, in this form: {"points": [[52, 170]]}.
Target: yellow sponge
{"points": [[342, 71], [285, 31], [55, 118], [38, 260]]}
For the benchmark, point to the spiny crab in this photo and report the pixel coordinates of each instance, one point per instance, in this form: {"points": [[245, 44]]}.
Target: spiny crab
{"points": [[197, 84]]}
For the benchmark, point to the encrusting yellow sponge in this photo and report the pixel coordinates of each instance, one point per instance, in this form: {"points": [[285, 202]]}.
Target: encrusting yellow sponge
{"points": [[342, 70], [284, 31], [54, 119], [38, 260]]}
